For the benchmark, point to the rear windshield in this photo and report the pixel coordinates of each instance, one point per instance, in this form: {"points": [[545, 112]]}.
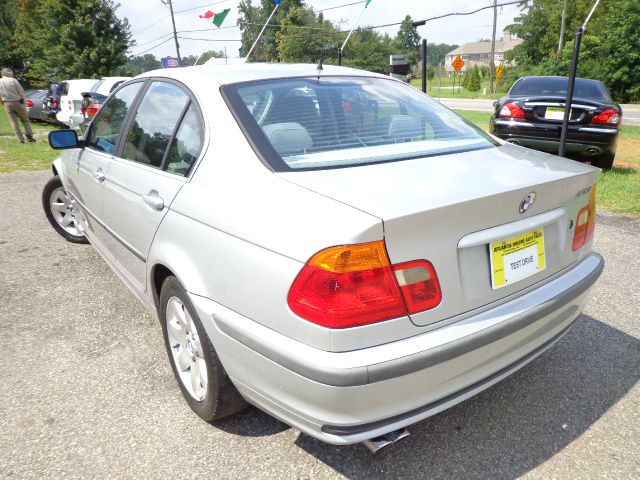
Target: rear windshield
{"points": [[332, 122], [557, 86]]}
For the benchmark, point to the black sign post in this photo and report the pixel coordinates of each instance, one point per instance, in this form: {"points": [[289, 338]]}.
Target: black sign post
{"points": [[572, 81]]}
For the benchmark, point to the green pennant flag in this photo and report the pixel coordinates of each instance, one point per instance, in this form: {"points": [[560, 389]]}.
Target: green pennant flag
{"points": [[366, 3], [218, 18]]}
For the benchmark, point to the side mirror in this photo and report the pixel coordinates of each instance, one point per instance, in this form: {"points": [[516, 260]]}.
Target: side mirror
{"points": [[63, 139], [495, 104]]}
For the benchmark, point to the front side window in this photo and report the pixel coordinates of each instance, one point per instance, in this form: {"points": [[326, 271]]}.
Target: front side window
{"points": [[154, 123], [329, 122], [106, 126]]}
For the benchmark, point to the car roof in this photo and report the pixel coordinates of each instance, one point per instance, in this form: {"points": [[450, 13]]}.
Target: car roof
{"points": [[236, 73]]}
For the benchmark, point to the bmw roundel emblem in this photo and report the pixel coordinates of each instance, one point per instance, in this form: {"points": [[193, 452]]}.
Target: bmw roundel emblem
{"points": [[527, 201]]}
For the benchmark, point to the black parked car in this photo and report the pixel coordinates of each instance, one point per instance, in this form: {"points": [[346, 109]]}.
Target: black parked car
{"points": [[531, 115]]}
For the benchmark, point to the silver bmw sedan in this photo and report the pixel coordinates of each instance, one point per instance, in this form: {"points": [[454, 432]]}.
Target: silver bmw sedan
{"points": [[329, 245]]}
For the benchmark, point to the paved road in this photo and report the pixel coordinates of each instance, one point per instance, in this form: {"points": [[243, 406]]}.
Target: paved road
{"points": [[86, 390], [630, 113]]}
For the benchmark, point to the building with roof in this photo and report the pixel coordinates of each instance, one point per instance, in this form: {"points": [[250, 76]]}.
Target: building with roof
{"points": [[479, 53]]}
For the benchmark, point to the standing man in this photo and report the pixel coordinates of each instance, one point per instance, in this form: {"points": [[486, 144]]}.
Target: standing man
{"points": [[12, 96]]}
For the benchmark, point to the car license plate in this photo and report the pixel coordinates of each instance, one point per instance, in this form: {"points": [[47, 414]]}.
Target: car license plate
{"points": [[554, 113], [517, 258]]}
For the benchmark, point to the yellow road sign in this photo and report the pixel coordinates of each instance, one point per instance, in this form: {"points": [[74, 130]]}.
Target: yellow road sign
{"points": [[457, 64], [498, 72]]}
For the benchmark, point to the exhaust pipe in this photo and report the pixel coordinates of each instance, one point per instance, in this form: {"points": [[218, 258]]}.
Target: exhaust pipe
{"points": [[378, 443], [593, 152]]}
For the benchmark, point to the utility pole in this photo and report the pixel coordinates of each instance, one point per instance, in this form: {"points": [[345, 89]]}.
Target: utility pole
{"points": [[492, 62], [175, 34], [564, 13]]}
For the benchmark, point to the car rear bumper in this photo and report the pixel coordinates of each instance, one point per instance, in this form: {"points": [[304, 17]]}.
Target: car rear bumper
{"points": [[348, 397], [584, 140]]}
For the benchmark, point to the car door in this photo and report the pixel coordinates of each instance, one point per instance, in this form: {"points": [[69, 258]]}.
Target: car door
{"points": [[86, 168], [148, 172]]}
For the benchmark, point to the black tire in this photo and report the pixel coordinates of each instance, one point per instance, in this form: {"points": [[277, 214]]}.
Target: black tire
{"points": [[605, 162], [54, 188], [221, 399]]}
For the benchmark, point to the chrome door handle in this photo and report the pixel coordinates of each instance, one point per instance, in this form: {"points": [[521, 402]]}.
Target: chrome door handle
{"points": [[153, 200], [99, 175]]}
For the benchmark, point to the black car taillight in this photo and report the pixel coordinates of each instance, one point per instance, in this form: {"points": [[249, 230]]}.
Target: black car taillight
{"points": [[511, 110], [608, 117]]}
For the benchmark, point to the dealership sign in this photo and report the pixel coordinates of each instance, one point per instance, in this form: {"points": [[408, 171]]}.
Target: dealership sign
{"points": [[170, 62]]}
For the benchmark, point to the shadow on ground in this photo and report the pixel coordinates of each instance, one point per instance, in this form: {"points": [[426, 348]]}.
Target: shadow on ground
{"points": [[505, 431]]}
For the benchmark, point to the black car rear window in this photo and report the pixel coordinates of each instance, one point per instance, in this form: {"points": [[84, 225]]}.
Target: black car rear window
{"points": [[557, 87]]}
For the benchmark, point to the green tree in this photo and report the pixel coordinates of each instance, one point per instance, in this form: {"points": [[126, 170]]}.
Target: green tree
{"points": [[251, 19], [70, 38], [138, 64], [408, 40], [473, 79], [368, 50], [8, 46], [305, 37], [437, 52], [190, 60]]}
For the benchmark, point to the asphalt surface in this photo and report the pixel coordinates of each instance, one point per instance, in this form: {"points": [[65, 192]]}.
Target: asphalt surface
{"points": [[630, 112], [86, 390]]}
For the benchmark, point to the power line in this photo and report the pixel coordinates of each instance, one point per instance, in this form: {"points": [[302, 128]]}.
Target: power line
{"points": [[200, 7], [212, 39], [150, 25], [149, 49], [339, 6]]}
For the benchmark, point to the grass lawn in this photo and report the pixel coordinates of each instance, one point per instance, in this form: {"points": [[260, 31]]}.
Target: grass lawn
{"points": [[619, 188], [16, 156], [448, 90]]}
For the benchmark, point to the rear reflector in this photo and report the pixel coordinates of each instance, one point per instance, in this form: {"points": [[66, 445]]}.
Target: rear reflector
{"points": [[29, 103], [511, 110], [608, 117], [353, 285], [585, 222], [418, 284]]}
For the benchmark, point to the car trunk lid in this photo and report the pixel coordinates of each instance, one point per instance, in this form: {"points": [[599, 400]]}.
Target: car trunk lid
{"points": [[450, 209]]}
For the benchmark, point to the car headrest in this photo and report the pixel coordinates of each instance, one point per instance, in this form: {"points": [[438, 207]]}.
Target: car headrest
{"points": [[404, 128], [288, 137]]}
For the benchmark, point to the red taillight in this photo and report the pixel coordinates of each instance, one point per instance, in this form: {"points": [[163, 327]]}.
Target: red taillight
{"points": [[511, 110], [608, 117], [585, 222], [29, 103], [353, 285], [93, 108]]}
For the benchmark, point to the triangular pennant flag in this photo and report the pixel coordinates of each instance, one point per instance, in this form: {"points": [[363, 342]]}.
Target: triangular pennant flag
{"points": [[218, 18], [366, 3], [277, 2], [208, 14]]}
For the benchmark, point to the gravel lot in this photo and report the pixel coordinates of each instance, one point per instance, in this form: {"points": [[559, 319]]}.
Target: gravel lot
{"points": [[87, 392]]}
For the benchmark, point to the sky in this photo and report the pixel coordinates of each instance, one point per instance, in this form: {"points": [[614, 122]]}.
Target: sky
{"points": [[150, 22]]}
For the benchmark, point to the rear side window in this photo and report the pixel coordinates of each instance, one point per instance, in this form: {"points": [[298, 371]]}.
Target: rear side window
{"points": [[154, 123], [331, 122], [106, 126], [186, 145], [557, 87]]}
